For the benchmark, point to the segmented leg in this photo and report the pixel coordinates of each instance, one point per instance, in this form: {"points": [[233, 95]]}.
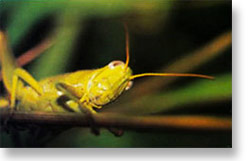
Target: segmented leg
{"points": [[75, 95], [20, 73]]}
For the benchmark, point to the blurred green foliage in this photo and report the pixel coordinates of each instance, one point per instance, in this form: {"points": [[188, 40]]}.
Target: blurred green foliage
{"points": [[198, 92], [89, 34]]}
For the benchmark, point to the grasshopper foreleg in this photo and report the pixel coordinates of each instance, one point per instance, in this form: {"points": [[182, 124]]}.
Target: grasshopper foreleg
{"points": [[75, 95]]}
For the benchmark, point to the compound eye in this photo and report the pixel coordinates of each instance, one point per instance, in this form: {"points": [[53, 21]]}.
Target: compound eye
{"points": [[115, 63], [130, 84]]}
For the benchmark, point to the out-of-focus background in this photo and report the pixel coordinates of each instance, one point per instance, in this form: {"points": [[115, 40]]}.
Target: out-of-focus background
{"points": [[165, 35]]}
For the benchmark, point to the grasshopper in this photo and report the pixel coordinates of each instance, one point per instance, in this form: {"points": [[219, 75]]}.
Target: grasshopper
{"points": [[80, 91]]}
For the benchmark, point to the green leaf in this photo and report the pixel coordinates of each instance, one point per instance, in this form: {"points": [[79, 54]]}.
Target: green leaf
{"points": [[197, 92], [25, 14]]}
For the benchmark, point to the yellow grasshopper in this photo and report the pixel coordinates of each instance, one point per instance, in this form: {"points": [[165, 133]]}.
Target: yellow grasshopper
{"points": [[78, 91]]}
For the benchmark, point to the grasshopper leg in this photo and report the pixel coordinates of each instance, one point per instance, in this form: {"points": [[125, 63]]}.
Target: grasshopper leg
{"points": [[75, 95], [20, 73]]}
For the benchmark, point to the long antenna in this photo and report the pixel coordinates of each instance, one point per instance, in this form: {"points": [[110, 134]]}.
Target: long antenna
{"points": [[156, 74], [170, 75], [127, 44]]}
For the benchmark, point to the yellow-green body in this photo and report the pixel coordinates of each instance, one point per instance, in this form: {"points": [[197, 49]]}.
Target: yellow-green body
{"points": [[30, 100], [99, 86], [70, 92]]}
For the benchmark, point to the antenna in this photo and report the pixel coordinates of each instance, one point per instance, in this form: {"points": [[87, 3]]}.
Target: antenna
{"points": [[127, 44], [170, 75]]}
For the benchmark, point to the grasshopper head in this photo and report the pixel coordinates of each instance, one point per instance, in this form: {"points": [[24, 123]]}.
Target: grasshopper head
{"points": [[109, 83]]}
